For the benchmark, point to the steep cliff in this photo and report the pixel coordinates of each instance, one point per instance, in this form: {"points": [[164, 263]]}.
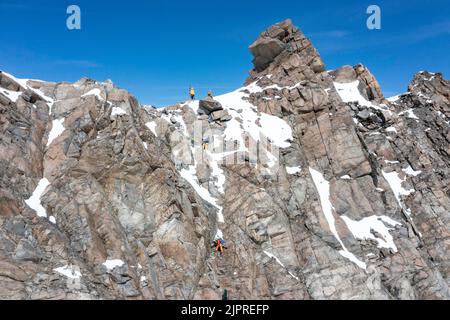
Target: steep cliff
{"points": [[321, 187]]}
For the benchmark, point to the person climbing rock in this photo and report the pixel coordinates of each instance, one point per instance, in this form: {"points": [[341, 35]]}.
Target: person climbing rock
{"points": [[219, 245], [225, 294], [210, 93], [192, 93], [205, 143]]}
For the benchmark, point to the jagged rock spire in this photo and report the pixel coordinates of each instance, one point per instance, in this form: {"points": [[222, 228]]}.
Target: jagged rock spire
{"points": [[279, 42]]}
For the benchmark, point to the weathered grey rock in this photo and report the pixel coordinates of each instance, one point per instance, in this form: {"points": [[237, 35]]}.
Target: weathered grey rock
{"points": [[280, 43], [8, 83], [368, 85], [27, 252], [4, 100], [364, 114], [344, 74], [265, 50], [220, 115], [209, 105]]}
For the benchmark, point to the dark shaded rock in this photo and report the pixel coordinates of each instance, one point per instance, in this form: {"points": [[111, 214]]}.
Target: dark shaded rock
{"points": [[27, 252]]}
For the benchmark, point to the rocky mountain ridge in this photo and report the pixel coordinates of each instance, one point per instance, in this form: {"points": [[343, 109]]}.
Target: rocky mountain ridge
{"points": [[322, 187]]}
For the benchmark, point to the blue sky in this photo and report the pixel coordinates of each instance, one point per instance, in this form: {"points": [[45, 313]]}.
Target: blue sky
{"points": [[157, 48]]}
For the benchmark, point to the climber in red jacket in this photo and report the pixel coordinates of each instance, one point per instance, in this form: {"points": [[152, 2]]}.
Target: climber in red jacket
{"points": [[219, 244]]}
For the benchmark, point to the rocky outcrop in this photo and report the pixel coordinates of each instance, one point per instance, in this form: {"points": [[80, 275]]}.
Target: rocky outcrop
{"points": [[284, 40], [209, 105], [368, 85], [220, 115], [322, 188]]}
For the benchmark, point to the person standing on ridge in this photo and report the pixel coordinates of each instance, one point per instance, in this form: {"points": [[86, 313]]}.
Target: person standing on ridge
{"points": [[192, 93], [210, 93]]}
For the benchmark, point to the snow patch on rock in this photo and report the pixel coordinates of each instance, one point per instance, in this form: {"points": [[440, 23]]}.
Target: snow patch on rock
{"points": [[409, 113], [250, 121], [152, 126], [323, 188], [57, 130], [34, 202], [395, 183], [94, 92], [391, 129], [190, 175], [349, 92], [113, 263], [23, 83], [363, 230], [12, 95], [71, 272], [117, 111], [411, 172], [293, 170]]}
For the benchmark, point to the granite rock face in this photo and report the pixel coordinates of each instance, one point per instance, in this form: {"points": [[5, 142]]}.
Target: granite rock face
{"points": [[345, 197], [283, 42]]}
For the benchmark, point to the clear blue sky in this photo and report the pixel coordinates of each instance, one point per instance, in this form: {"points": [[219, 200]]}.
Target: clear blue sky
{"points": [[157, 48]]}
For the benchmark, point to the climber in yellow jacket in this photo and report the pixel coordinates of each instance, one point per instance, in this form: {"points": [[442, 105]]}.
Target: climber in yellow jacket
{"points": [[192, 93]]}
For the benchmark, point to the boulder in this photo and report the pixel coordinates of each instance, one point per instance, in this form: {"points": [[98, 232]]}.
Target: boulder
{"points": [[30, 96], [369, 86], [344, 74], [209, 105], [4, 100], [265, 50], [364, 114], [220, 115], [8, 83]]}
